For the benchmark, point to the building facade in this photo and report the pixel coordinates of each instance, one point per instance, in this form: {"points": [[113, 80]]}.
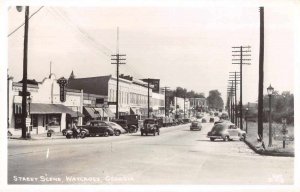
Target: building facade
{"points": [[45, 109], [133, 93]]}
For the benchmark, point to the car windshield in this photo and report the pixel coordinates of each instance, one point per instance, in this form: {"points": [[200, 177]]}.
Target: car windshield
{"points": [[151, 121]]}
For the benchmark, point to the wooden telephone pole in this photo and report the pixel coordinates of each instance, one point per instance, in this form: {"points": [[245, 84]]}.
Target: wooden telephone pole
{"points": [[117, 60], [243, 60], [261, 75]]}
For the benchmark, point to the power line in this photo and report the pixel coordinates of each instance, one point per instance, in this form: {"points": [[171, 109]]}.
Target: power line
{"points": [[24, 22]]}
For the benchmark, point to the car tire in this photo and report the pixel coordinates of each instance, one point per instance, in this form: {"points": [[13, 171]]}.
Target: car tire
{"points": [[212, 139], [243, 138], [117, 133], [158, 132], [82, 135], [146, 134], [68, 136], [226, 138], [142, 134], [105, 134], [154, 133]]}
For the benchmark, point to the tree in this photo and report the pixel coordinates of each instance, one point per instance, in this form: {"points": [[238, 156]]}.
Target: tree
{"points": [[214, 100]]}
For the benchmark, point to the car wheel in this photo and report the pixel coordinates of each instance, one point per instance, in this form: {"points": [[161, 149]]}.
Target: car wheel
{"points": [[226, 138], [106, 134], [82, 135], [212, 139], [243, 138], [68, 136], [146, 134], [158, 132], [142, 133], [117, 133], [154, 133]]}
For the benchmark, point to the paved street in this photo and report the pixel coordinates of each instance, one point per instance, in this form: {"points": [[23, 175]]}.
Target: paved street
{"points": [[177, 156]]}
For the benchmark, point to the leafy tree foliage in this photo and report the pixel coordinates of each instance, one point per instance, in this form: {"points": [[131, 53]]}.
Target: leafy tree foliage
{"points": [[214, 100]]}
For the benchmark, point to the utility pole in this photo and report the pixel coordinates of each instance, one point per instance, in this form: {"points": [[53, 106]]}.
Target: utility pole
{"points": [[241, 50], [184, 107], [233, 77], [24, 87], [261, 75], [117, 60], [166, 89], [148, 97]]}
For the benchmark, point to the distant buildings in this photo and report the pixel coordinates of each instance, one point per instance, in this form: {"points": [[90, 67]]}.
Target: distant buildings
{"points": [[89, 98]]}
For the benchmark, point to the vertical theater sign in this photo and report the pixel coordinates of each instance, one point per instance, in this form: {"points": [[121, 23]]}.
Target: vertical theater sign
{"points": [[62, 91]]}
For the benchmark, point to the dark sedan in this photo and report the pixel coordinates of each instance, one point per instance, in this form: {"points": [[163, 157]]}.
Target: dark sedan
{"points": [[195, 125], [99, 128]]}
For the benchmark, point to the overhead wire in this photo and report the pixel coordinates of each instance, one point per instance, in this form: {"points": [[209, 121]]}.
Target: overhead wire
{"points": [[15, 30]]}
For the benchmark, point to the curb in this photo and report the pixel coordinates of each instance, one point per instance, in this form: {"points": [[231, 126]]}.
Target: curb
{"points": [[269, 153], [33, 138]]}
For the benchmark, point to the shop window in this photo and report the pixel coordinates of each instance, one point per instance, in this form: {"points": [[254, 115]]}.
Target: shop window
{"points": [[34, 119], [54, 120], [18, 121]]}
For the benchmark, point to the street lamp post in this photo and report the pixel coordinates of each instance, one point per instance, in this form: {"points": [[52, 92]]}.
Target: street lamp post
{"points": [[270, 90]]}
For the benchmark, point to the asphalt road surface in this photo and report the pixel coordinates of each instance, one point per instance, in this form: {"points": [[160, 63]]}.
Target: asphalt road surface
{"points": [[176, 156]]}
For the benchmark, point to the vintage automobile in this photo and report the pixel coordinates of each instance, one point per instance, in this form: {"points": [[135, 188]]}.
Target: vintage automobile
{"points": [[150, 126], [100, 128], [211, 120], [128, 128], [118, 130], [186, 120], [195, 125], [226, 131], [203, 120]]}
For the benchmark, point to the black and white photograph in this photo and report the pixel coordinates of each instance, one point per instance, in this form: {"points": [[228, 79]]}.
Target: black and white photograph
{"points": [[149, 95]]}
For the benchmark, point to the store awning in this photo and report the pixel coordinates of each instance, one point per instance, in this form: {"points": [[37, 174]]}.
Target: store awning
{"points": [[105, 112], [131, 111], [39, 108], [76, 114], [91, 112]]}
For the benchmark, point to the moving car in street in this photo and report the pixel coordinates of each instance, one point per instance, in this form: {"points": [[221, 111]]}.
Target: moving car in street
{"points": [[226, 131], [150, 126], [100, 128], [195, 125]]}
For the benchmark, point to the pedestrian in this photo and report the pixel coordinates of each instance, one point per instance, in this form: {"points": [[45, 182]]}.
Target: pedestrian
{"points": [[74, 129]]}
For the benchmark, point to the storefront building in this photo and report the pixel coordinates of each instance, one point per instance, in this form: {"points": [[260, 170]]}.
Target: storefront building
{"points": [[45, 108], [133, 93]]}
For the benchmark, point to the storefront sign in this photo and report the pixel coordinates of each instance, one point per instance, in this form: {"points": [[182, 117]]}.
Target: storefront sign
{"points": [[62, 91]]}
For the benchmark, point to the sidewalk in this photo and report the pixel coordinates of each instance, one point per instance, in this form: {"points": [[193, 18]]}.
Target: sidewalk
{"points": [[42, 136]]}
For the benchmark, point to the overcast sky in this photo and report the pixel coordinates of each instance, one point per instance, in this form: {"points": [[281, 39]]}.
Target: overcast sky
{"points": [[187, 46]]}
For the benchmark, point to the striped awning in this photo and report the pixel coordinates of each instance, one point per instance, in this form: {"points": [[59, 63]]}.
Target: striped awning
{"points": [[91, 112]]}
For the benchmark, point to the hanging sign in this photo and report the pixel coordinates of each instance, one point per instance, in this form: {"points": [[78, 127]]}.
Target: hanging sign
{"points": [[62, 91]]}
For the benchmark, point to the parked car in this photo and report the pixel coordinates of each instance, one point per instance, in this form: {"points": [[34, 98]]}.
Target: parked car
{"points": [[118, 130], [100, 128], [226, 131], [195, 125], [211, 120], [186, 120], [128, 128], [64, 131], [204, 120], [150, 126]]}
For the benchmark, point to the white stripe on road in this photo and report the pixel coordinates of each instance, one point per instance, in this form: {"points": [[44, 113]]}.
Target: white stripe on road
{"points": [[47, 155]]}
